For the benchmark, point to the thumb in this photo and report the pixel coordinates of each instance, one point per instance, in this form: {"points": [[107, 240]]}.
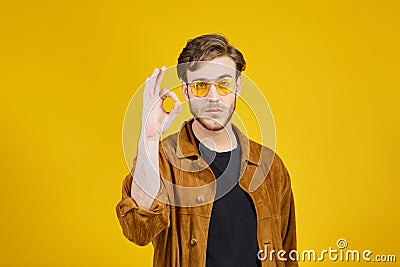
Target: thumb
{"points": [[172, 116]]}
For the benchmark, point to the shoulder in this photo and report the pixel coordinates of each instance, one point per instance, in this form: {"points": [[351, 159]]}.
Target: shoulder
{"points": [[170, 140], [169, 145], [269, 162], [265, 157]]}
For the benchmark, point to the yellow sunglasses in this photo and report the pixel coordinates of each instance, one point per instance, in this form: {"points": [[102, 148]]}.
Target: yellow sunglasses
{"points": [[201, 88]]}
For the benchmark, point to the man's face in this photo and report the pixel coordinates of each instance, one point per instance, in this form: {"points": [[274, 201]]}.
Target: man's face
{"points": [[213, 111]]}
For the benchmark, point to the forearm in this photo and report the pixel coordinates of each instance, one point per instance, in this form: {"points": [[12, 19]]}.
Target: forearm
{"points": [[138, 224], [146, 175]]}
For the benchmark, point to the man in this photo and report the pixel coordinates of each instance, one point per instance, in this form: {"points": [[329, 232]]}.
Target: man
{"points": [[192, 194]]}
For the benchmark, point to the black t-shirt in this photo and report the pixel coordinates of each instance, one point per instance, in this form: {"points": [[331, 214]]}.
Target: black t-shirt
{"points": [[232, 235]]}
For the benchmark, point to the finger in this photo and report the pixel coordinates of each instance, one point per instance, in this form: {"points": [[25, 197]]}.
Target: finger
{"points": [[174, 112], [163, 93], [150, 82], [146, 91], [160, 77], [177, 108], [171, 116], [167, 93]]}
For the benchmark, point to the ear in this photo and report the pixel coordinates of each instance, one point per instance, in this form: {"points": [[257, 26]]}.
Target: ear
{"points": [[185, 91], [238, 86]]}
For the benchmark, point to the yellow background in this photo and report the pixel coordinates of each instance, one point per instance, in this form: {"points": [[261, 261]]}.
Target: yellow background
{"points": [[329, 69]]}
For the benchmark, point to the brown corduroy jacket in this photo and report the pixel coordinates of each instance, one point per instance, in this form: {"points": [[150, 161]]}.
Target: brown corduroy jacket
{"points": [[177, 222]]}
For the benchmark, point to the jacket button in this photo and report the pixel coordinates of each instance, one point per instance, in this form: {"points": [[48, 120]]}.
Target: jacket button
{"points": [[193, 242], [200, 199]]}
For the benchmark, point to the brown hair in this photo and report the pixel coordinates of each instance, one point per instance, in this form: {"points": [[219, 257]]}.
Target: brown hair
{"points": [[204, 48]]}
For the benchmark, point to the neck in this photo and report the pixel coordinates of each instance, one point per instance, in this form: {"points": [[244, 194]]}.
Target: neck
{"points": [[220, 141]]}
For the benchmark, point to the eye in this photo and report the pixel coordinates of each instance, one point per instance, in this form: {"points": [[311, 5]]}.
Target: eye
{"points": [[226, 82], [226, 79], [200, 85]]}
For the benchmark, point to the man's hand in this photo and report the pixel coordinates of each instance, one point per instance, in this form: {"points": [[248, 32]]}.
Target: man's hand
{"points": [[155, 119]]}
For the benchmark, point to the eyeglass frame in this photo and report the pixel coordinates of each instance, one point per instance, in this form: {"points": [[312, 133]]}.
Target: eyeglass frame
{"points": [[213, 83]]}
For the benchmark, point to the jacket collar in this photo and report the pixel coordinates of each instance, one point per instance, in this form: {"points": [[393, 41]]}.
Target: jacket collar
{"points": [[187, 147]]}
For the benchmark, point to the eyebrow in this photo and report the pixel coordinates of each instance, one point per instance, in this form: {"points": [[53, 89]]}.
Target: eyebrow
{"points": [[219, 77]]}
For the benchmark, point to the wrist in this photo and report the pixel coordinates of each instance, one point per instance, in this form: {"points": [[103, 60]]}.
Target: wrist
{"points": [[150, 139]]}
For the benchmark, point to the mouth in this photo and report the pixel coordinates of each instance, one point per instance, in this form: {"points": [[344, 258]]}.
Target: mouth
{"points": [[213, 111]]}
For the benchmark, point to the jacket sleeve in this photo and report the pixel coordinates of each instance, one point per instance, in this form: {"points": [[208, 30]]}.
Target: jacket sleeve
{"points": [[288, 220], [138, 224]]}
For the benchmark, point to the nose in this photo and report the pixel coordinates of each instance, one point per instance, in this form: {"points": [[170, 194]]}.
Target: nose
{"points": [[213, 94]]}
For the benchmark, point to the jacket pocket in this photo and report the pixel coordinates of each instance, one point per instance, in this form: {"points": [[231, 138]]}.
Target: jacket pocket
{"points": [[263, 205]]}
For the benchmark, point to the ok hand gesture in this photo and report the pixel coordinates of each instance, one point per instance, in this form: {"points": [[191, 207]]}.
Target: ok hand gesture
{"points": [[155, 119]]}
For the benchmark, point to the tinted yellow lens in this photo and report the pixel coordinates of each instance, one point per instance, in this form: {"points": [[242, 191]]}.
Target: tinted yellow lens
{"points": [[200, 88], [225, 86]]}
